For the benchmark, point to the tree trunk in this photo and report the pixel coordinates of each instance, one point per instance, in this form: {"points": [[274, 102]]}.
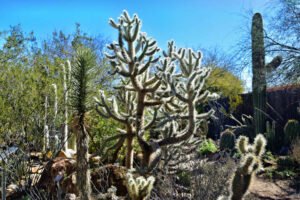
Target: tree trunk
{"points": [[83, 174], [129, 153]]}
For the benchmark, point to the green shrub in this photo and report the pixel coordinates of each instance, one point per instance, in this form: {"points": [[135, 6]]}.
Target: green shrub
{"points": [[207, 147], [184, 178], [286, 163]]}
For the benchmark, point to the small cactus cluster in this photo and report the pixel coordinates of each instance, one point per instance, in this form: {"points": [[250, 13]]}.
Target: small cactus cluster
{"points": [[227, 140], [139, 188], [291, 131], [250, 163]]}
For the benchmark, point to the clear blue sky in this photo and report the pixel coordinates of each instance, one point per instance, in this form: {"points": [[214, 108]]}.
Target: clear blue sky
{"points": [[193, 23]]}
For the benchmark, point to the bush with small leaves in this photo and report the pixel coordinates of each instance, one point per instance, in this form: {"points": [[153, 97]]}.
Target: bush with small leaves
{"points": [[207, 147]]}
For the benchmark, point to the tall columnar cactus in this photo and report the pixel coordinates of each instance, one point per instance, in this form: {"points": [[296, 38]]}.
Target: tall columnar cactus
{"points": [[46, 128], [154, 92], [291, 131], [227, 140], [250, 163], [139, 188], [66, 80], [270, 135], [259, 69]]}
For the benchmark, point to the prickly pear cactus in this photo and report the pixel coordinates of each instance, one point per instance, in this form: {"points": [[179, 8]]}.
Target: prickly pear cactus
{"points": [[139, 188], [291, 131], [250, 163], [227, 140]]}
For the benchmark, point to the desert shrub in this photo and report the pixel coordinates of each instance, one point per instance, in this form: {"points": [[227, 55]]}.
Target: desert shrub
{"points": [[211, 179], [285, 173], [184, 178], [166, 188], [207, 147], [286, 162]]}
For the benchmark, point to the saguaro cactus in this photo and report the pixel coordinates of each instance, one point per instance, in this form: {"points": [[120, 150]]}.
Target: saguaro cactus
{"points": [[155, 92], [250, 163], [259, 69]]}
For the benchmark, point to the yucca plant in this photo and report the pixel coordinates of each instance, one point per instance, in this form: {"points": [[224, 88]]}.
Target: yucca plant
{"points": [[82, 70]]}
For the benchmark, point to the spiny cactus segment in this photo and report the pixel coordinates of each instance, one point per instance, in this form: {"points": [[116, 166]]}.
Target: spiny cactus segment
{"points": [[250, 164], [139, 188]]}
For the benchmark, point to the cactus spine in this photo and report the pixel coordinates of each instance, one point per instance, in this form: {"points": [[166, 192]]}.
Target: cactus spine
{"points": [[259, 69], [139, 188], [291, 131], [227, 140], [249, 164]]}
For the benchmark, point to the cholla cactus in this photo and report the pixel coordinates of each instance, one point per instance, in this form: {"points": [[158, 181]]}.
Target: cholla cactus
{"points": [[157, 93], [249, 165], [139, 188]]}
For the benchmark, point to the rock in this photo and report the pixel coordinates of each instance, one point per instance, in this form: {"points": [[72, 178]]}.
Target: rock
{"points": [[37, 169], [70, 196], [12, 188], [69, 153]]}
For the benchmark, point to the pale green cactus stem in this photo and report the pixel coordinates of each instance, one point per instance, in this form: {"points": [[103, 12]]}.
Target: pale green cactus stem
{"points": [[139, 188], [163, 91], [249, 165]]}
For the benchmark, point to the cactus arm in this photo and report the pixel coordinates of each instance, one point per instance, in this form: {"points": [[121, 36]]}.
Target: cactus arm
{"points": [[274, 63]]}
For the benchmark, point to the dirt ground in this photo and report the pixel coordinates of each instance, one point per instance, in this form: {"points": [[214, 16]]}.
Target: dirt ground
{"points": [[269, 189]]}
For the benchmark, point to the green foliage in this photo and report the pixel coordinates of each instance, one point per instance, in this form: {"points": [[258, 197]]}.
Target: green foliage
{"points": [[101, 129], [286, 162], [226, 84], [82, 74], [207, 147], [227, 140], [291, 131], [184, 178]]}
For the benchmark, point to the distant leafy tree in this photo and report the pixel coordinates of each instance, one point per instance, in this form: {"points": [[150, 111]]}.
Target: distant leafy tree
{"points": [[225, 84]]}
